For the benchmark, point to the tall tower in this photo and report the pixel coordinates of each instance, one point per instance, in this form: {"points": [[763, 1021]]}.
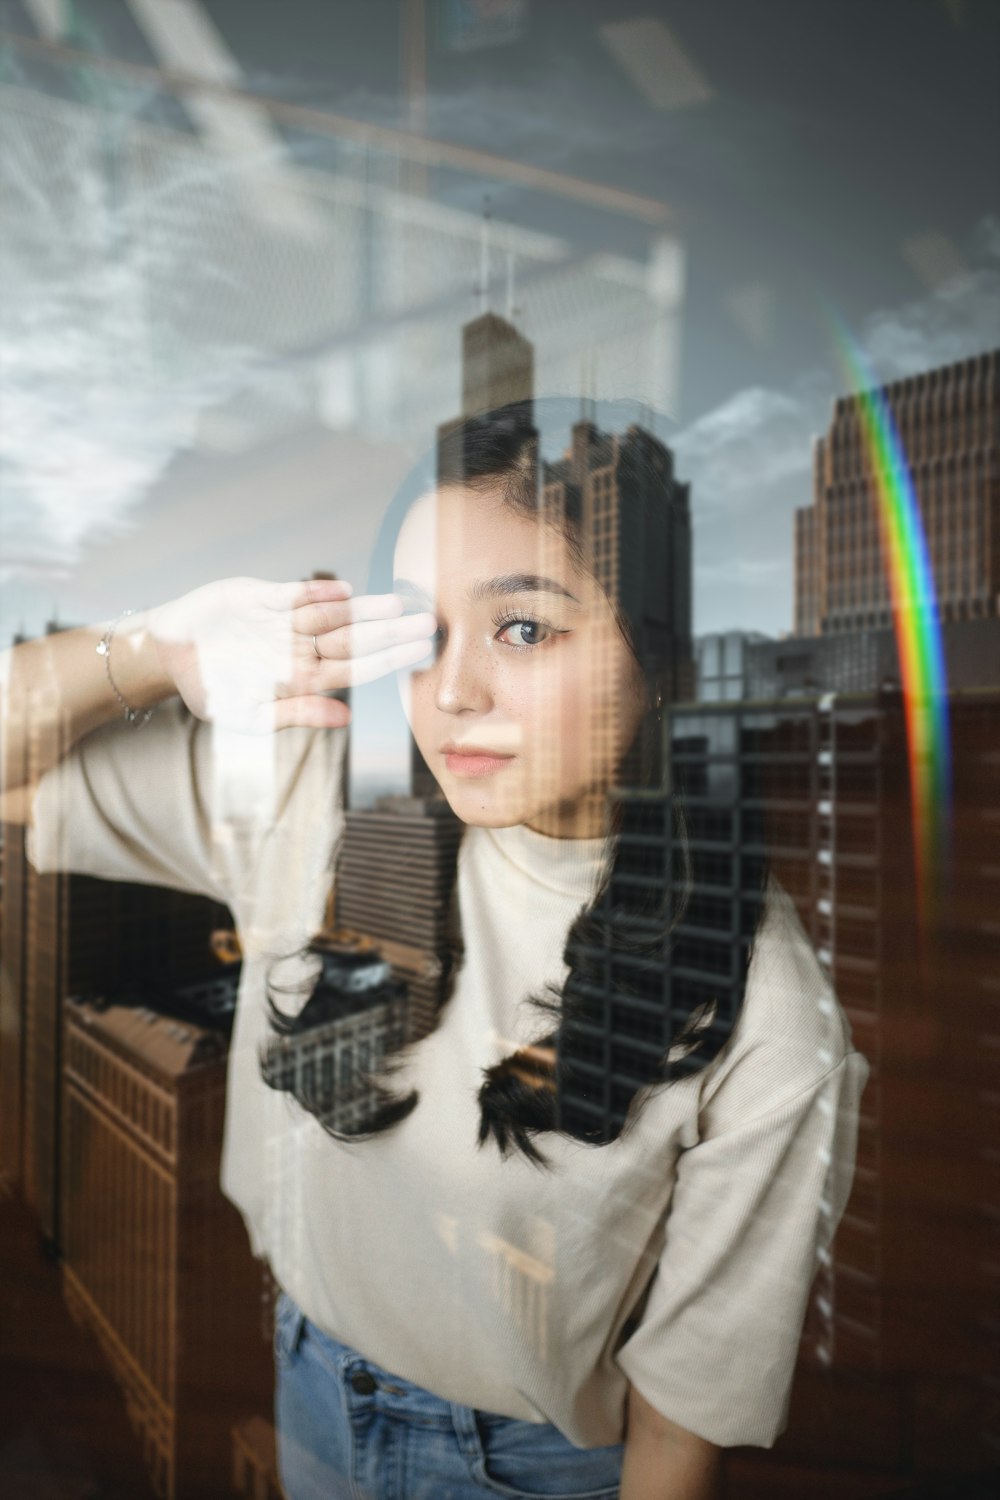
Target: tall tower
{"points": [[395, 875], [156, 1261], [949, 425], [818, 790], [498, 364], [635, 518], [807, 571], [397, 865]]}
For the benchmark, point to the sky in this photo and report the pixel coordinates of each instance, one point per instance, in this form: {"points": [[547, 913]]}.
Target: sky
{"points": [[836, 154]]}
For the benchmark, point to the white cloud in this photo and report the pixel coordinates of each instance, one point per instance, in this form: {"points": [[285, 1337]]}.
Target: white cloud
{"points": [[986, 238], [98, 394], [744, 446], [959, 318]]}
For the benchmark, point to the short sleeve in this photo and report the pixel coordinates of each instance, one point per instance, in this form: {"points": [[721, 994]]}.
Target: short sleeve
{"points": [[753, 1205], [175, 803]]}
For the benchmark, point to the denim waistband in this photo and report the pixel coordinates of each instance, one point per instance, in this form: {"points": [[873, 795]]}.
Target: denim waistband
{"points": [[365, 1380]]}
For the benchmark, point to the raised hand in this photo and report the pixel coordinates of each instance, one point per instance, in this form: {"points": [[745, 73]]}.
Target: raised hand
{"points": [[258, 656]]}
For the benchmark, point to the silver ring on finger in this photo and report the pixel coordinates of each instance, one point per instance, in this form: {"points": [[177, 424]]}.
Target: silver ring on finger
{"points": [[317, 650]]}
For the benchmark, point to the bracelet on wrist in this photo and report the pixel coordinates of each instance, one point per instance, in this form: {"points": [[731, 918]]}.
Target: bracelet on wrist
{"points": [[136, 716]]}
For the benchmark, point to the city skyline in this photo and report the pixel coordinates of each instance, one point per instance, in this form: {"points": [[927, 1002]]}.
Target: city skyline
{"points": [[753, 369], [814, 790], [728, 260], [739, 430]]}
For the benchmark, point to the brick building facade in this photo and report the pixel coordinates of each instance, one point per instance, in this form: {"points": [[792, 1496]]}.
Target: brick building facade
{"points": [[948, 422]]}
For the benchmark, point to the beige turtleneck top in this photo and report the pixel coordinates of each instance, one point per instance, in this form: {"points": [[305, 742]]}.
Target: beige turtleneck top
{"points": [[679, 1257]]}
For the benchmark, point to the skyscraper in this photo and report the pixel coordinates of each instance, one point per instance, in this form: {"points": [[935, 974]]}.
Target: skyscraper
{"points": [[498, 364], [156, 1261], [394, 877], [396, 867], [498, 367], [949, 425], [635, 519], [76, 935], [818, 790]]}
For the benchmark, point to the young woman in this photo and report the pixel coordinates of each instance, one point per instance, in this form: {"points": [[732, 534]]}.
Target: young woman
{"points": [[491, 1288]]}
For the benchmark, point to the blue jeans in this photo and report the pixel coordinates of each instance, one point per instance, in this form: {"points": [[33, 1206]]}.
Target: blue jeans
{"points": [[347, 1428]]}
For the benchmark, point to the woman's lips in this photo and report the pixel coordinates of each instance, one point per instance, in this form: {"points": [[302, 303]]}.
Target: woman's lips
{"points": [[475, 762]]}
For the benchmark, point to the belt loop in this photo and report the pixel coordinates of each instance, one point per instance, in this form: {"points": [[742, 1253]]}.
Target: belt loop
{"points": [[289, 1326], [298, 1330], [467, 1432]]}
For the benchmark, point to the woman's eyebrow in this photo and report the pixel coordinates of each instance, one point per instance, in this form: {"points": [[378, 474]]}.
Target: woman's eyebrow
{"points": [[519, 583]]}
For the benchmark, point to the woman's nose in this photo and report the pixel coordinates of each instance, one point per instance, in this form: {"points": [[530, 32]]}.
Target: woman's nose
{"points": [[462, 677]]}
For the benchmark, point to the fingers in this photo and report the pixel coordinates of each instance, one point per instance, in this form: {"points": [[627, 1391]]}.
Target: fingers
{"points": [[310, 712], [352, 668], [303, 592], [353, 641], [368, 668], [358, 640], [318, 617]]}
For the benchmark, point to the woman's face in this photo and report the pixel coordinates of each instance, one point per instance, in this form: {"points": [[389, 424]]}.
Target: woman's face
{"points": [[533, 696]]}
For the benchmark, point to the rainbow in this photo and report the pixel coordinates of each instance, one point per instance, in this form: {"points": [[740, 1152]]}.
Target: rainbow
{"points": [[917, 625]]}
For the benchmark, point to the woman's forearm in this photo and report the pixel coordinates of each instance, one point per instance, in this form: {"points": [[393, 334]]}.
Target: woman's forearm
{"points": [[664, 1461], [245, 648], [55, 689]]}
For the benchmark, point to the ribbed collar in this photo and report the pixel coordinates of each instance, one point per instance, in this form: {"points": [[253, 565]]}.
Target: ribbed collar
{"points": [[570, 866]]}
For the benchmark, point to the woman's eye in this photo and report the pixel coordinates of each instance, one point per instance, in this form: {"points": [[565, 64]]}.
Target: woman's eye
{"points": [[525, 632]]}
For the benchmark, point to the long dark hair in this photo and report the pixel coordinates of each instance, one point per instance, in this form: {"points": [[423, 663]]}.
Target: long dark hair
{"points": [[630, 1015]]}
